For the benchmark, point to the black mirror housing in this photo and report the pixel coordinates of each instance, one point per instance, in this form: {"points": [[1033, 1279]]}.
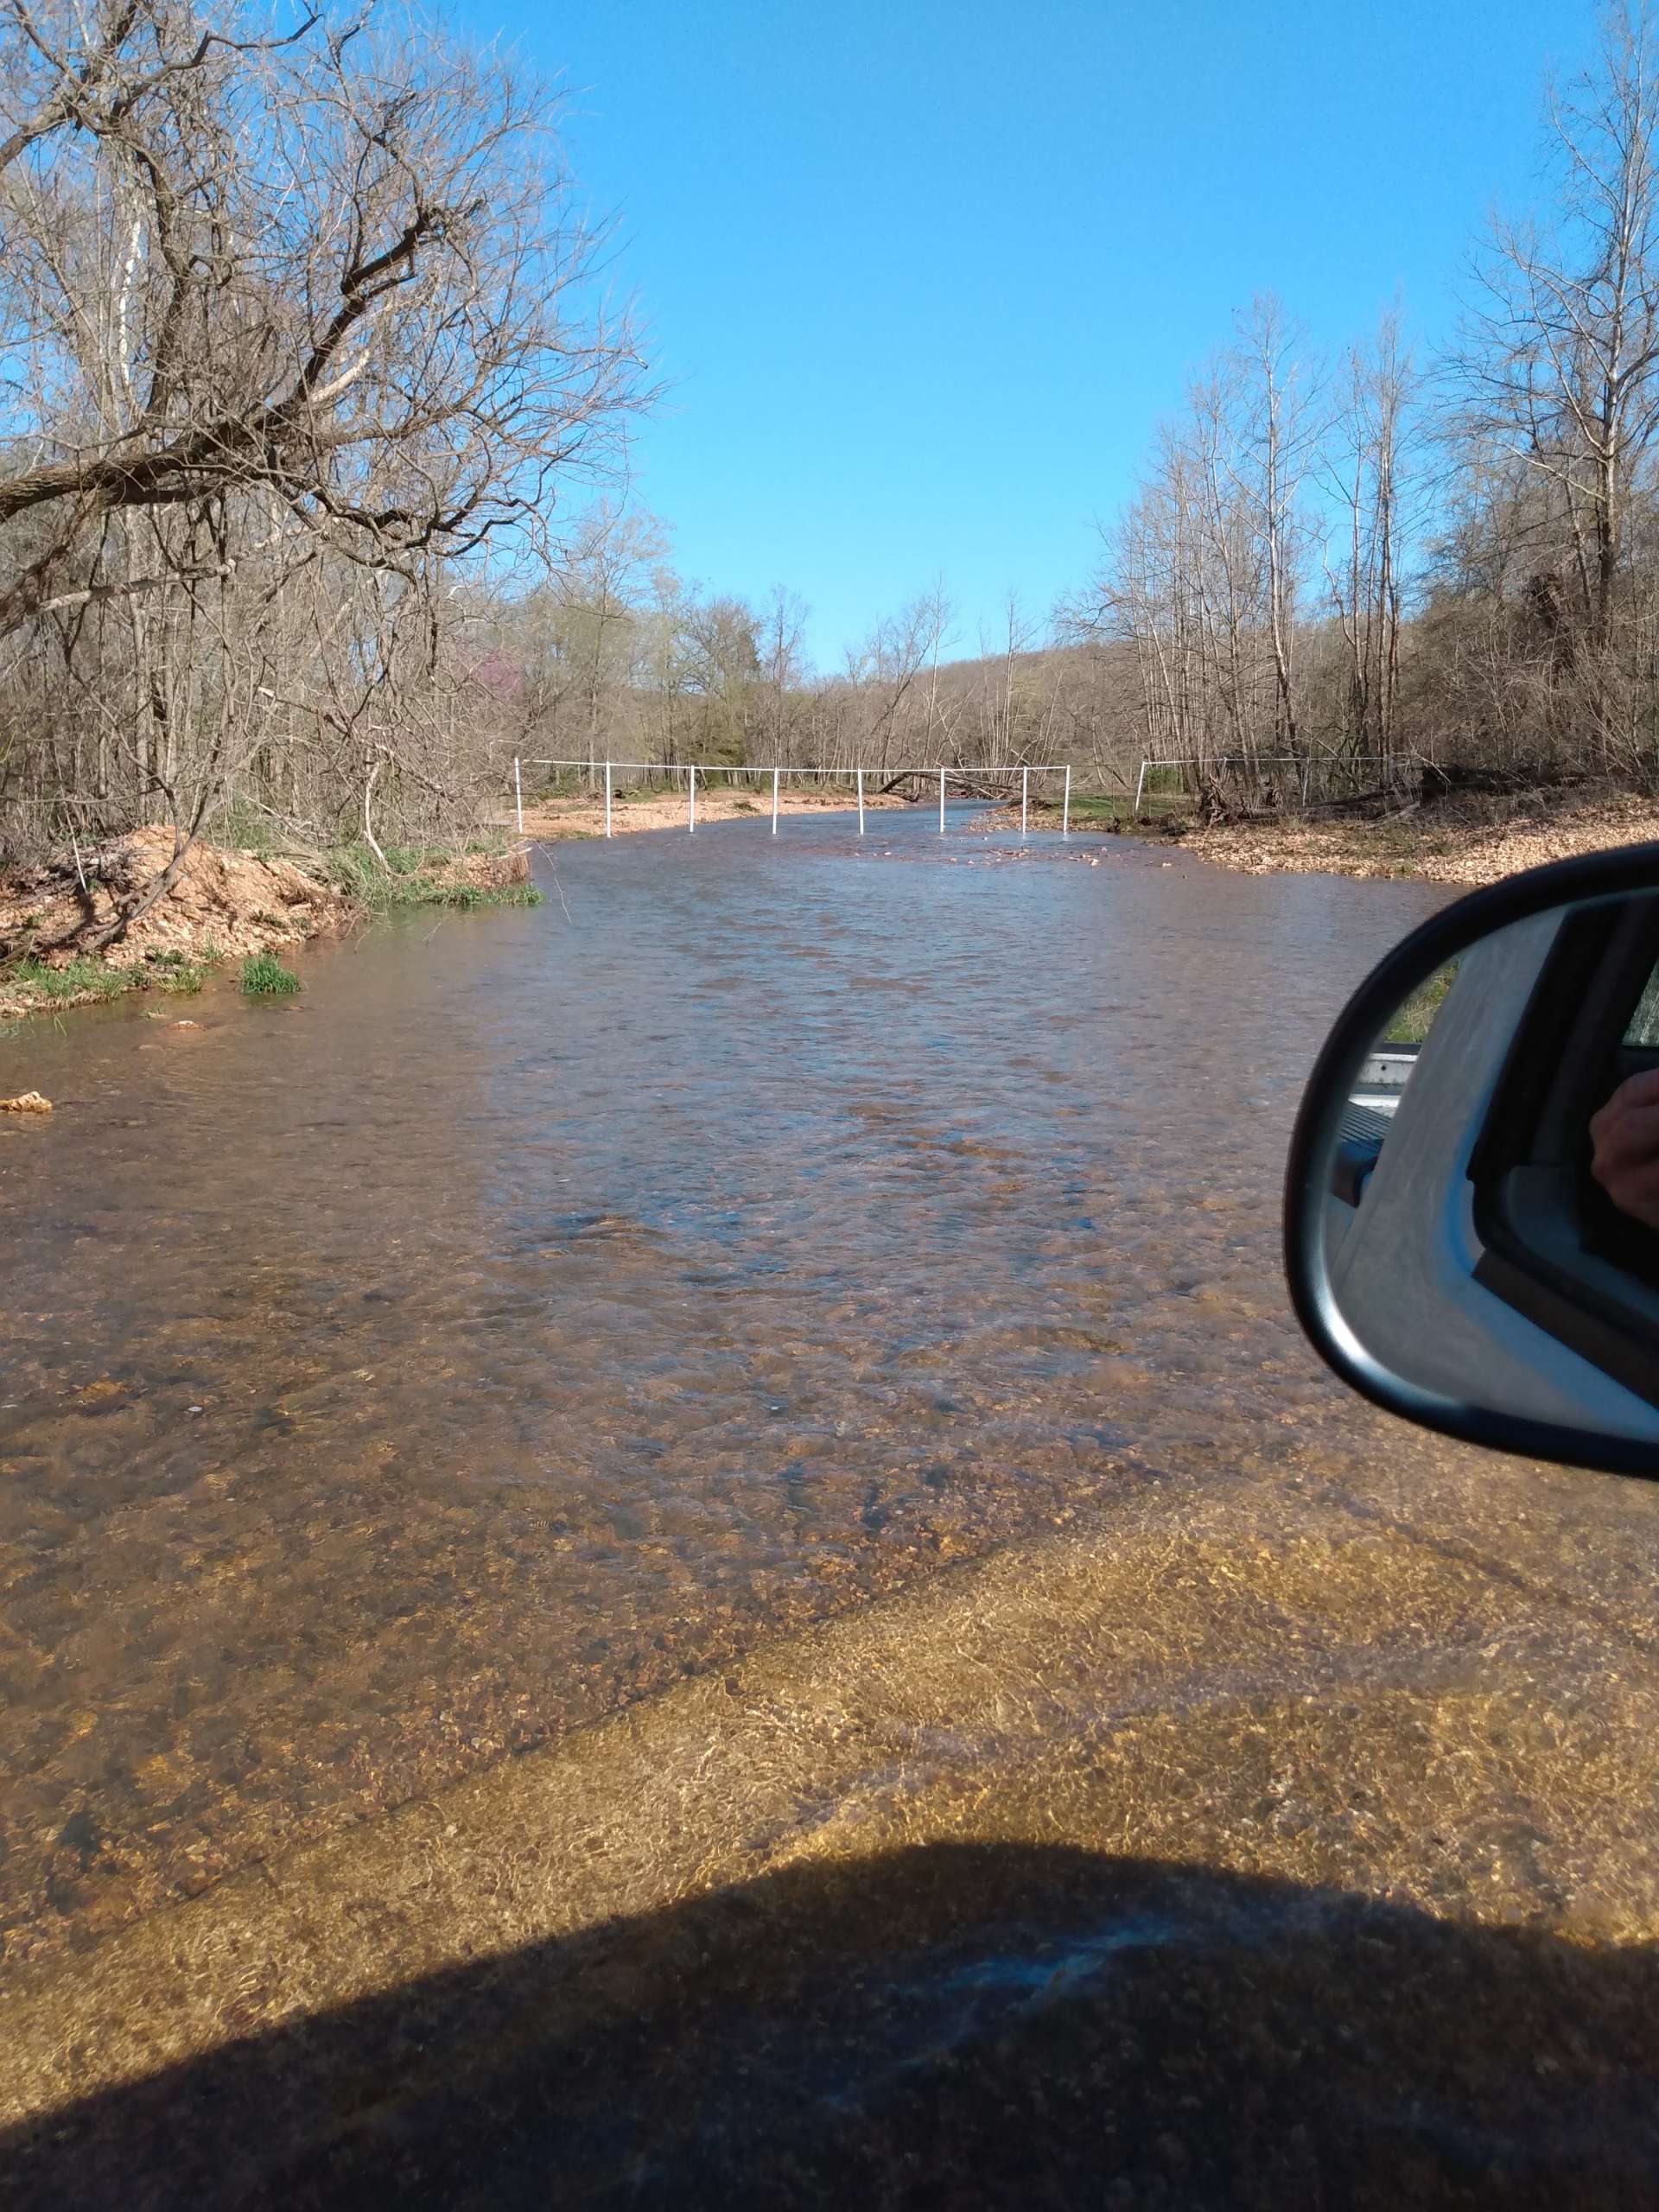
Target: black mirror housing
{"points": [[1450, 1250]]}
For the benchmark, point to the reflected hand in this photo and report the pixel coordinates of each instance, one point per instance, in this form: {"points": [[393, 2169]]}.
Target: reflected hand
{"points": [[1625, 1136]]}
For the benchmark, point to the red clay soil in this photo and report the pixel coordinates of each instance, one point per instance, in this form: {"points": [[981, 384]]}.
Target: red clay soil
{"points": [[222, 903]]}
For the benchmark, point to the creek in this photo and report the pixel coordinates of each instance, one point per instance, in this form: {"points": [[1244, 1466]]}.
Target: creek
{"points": [[547, 1305]]}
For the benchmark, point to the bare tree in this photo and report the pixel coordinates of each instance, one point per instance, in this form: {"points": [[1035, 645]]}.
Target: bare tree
{"points": [[783, 662], [601, 577], [1368, 469], [1560, 357], [722, 638], [1275, 436], [937, 616], [276, 306], [889, 669]]}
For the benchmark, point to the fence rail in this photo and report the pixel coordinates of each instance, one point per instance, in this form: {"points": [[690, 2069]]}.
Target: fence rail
{"points": [[692, 769]]}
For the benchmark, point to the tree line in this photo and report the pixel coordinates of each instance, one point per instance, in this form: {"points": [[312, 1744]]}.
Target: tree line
{"points": [[310, 476], [302, 336], [1453, 557], [1387, 555], [614, 656], [315, 416]]}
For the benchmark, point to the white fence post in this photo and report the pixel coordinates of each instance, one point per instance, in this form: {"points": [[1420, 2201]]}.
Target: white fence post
{"points": [[1140, 785], [652, 768]]}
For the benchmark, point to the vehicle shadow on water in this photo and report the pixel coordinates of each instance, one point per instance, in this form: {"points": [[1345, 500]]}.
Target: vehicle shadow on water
{"points": [[949, 2026]]}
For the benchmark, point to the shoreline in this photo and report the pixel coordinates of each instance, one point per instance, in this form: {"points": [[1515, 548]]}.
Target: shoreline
{"points": [[232, 904], [1466, 842], [228, 904]]}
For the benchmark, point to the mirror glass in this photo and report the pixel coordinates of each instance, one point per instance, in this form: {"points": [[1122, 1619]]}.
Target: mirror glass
{"points": [[1480, 1222]]}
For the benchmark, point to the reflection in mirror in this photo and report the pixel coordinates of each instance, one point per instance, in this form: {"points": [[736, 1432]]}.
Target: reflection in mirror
{"points": [[1491, 1228], [1624, 1131], [1381, 1081]]}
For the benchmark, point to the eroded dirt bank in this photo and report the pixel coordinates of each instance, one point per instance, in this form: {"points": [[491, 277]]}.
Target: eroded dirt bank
{"points": [[1470, 840], [224, 904]]}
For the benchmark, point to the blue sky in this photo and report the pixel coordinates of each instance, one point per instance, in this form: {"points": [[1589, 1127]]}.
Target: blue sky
{"points": [[921, 277]]}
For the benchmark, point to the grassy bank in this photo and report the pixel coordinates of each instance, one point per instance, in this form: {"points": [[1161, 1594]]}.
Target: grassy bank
{"points": [[1471, 838], [252, 904], [1109, 810], [478, 876], [33, 985]]}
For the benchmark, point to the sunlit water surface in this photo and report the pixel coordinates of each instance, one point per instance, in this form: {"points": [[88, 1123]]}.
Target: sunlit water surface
{"points": [[548, 1304]]}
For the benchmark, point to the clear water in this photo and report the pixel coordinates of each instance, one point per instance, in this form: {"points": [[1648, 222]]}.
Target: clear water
{"points": [[548, 1303]]}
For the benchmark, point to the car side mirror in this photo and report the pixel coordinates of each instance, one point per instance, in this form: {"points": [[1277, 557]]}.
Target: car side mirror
{"points": [[1471, 1201]]}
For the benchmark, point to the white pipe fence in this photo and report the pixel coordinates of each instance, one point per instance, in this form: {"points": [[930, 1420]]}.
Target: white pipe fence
{"points": [[690, 769]]}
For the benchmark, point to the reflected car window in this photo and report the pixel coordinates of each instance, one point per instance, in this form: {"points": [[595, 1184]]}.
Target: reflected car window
{"points": [[1644, 1022]]}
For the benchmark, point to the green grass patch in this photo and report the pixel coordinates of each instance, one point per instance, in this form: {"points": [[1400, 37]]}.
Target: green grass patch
{"points": [[411, 877], [1101, 811], [42, 989], [178, 973], [79, 979], [469, 897], [263, 976], [1415, 1017]]}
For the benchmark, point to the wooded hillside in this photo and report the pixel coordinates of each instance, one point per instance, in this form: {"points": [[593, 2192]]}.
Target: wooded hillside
{"points": [[310, 517]]}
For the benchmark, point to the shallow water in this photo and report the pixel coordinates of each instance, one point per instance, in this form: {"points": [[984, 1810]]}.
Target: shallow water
{"points": [[549, 1304]]}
